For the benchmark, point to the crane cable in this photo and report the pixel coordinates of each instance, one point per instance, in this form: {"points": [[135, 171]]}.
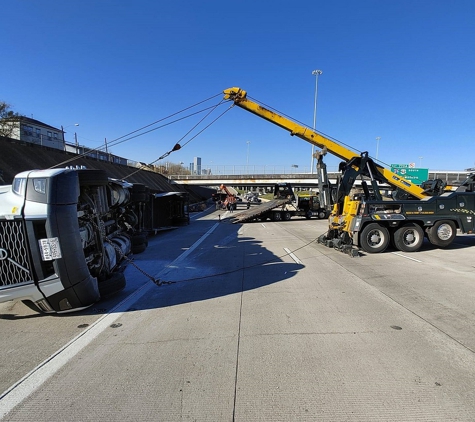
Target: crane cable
{"points": [[276, 259], [121, 139], [177, 145], [317, 131]]}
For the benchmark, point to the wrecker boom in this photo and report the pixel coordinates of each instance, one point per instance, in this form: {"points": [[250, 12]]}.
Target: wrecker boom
{"points": [[366, 220], [239, 97]]}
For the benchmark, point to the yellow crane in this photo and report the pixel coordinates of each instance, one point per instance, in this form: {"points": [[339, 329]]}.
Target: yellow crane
{"points": [[368, 221]]}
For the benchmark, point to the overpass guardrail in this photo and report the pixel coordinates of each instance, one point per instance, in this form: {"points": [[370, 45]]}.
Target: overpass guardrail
{"points": [[450, 177]]}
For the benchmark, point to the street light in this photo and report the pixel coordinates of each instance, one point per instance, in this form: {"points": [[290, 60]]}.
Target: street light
{"points": [[65, 127], [75, 136], [377, 146], [317, 73]]}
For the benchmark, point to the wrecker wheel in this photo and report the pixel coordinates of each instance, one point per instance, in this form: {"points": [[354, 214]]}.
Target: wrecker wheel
{"points": [[409, 237], [442, 233], [287, 216], [374, 238], [322, 214], [276, 216]]}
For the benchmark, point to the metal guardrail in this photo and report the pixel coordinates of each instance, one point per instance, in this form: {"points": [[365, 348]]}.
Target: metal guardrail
{"points": [[450, 177]]}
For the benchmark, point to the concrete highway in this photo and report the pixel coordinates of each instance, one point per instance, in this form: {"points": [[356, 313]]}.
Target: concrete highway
{"points": [[260, 323]]}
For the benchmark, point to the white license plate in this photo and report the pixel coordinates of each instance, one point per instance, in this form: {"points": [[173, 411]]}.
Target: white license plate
{"points": [[50, 249]]}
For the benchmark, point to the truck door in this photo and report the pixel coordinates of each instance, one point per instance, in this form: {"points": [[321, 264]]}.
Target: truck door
{"points": [[465, 208]]}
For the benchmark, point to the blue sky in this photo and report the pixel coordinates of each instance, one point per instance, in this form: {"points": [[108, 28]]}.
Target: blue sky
{"points": [[399, 70]]}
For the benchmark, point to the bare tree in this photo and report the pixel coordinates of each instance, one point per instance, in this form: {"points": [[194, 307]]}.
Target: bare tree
{"points": [[171, 168], [7, 117]]}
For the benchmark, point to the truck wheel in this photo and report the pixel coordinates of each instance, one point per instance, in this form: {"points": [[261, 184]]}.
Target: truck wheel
{"points": [[409, 238], [276, 216], [287, 216], [322, 214], [114, 284], [139, 243], [138, 193], [93, 177], [136, 249], [442, 233], [374, 238], [138, 239]]}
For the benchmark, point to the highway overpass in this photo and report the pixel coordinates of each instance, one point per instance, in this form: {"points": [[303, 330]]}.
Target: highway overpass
{"points": [[300, 180]]}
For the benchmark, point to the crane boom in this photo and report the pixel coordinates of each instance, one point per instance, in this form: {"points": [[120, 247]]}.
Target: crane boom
{"points": [[239, 97]]}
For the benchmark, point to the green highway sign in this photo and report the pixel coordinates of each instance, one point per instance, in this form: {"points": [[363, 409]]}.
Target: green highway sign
{"points": [[411, 174]]}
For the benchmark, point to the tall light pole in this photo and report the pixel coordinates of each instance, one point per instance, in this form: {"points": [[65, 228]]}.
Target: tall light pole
{"points": [[317, 73], [247, 157], [377, 145], [75, 136], [65, 127]]}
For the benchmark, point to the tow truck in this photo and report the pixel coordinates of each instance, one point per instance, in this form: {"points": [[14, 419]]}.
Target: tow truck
{"points": [[369, 220], [283, 207], [229, 200]]}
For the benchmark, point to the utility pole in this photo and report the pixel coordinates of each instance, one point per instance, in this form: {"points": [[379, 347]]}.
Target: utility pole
{"points": [[317, 73]]}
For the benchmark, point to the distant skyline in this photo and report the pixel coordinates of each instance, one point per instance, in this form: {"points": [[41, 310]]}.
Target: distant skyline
{"points": [[397, 77]]}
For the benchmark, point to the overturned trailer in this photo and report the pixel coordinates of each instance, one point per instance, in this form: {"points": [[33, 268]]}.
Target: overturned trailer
{"points": [[66, 234]]}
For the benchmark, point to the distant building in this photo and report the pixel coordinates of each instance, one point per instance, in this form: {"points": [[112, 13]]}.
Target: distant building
{"points": [[197, 165], [30, 130]]}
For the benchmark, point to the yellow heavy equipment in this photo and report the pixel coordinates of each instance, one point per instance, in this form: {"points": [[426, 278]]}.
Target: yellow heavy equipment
{"points": [[368, 220]]}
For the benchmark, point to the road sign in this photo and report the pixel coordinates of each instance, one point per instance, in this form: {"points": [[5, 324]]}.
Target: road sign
{"points": [[414, 175]]}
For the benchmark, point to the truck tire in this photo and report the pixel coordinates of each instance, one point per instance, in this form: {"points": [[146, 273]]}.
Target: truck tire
{"points": [[322, 214], [442, 233], [287, 216], [139, 243], [138, 193], [409, 237], [138, 239], [93, 178], [374, 238], [114, 284], [276, 216], [136, 249]]}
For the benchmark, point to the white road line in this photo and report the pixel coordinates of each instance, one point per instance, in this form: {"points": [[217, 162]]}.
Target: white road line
{"points": [[35, 378], [291, 254], [263, 225], [188, 251], [198, 214], [405, 256]]}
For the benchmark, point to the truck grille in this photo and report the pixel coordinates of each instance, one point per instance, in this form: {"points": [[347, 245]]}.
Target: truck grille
{"points": [[14, 265]]}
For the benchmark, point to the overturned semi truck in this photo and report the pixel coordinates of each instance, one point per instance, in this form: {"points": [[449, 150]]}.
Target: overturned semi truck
{"points": [[66, 235]]}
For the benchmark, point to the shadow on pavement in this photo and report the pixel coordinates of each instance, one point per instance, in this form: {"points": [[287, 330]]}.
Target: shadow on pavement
{"points": [[222, 265]]}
